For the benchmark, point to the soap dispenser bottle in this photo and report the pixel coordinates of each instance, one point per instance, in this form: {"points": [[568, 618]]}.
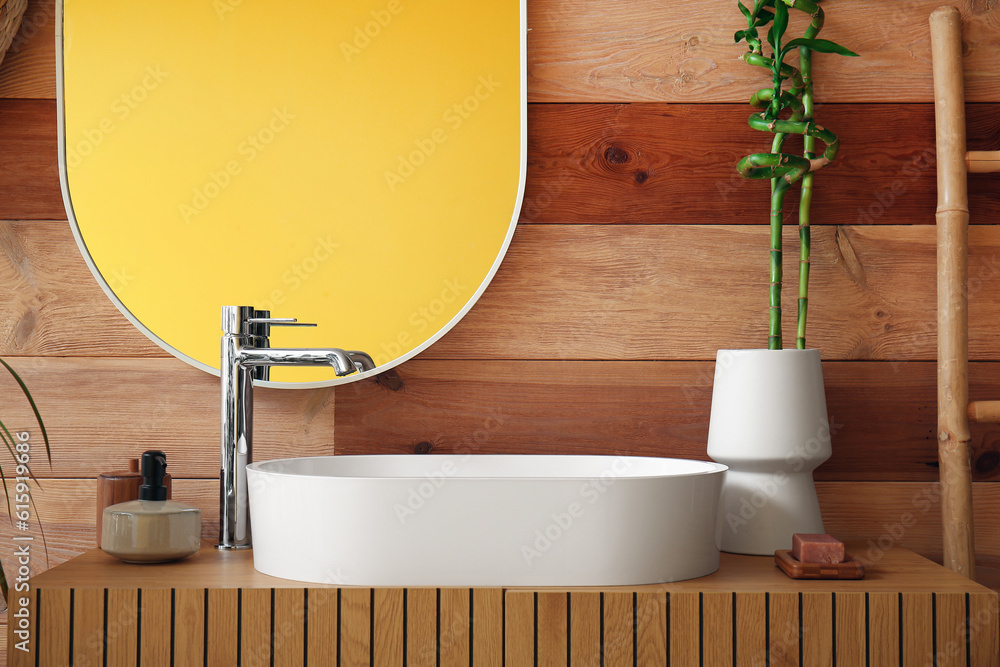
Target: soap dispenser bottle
{"points": [[151, 529]]}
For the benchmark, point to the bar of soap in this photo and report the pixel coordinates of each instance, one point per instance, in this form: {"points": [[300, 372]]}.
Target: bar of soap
{"points": [[813, 548]]}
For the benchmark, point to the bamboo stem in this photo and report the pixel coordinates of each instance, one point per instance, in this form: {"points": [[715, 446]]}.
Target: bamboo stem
{"points": [[982, 162], [953, 332], [779, 187], [984, 412], [805, 196]]}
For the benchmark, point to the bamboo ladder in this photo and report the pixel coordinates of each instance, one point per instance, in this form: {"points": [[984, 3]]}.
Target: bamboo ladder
{"points": [[955, 411]]}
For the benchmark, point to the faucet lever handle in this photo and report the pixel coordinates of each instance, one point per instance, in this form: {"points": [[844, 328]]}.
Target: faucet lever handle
{"points": [[279, 321]]}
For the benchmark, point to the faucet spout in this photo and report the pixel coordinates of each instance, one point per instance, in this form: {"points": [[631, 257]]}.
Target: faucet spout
{"points": [[246, 355], [338, 359]]}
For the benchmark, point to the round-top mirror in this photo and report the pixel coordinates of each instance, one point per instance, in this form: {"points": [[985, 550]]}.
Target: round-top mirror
{"points": [[356, 164]]}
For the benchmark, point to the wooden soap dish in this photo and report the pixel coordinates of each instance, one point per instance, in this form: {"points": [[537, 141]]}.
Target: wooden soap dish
{"points": [[849, 569]]}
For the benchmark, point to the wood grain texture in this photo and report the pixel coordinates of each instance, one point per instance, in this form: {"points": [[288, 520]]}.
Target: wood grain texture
{"points": [[355, 626], [636, 164], [717, 628], [255, 627], [949, 630], [751, 629], [16, 657], [850, 624], [519, 620], [783, 619], [586, 51], [29, 162], [878, 411], [189, 626], [487, 627], [421, 627], [872, 295], [817, 629], [884, 628], [223, 631], [984, 634], [321, 641], [651, 628], [685, 621], [155, 626], [138, 413], [671, 164], [88, 626], [595, 52], [585, 628], [918, 628], [121, 628], [29, 67], [53, 617], [389, 630], [704, 616], [288, 638], [618, 624], [453, 641], [552, 629]]}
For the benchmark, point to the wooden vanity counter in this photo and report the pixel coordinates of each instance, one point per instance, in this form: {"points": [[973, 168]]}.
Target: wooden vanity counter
{"points": [[215, 609]]}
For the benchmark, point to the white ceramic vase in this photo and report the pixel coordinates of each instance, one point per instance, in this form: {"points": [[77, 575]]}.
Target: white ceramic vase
{"points": [[769, 425]]}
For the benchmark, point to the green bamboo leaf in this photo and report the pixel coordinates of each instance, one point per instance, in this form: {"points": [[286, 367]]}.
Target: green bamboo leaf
{"points": [[34, 408], [740, 34], [820, 46], [777, 30], [744, 10], [762, 20], [9, 444]]}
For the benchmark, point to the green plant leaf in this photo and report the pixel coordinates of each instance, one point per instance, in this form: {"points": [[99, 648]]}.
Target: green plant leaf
{"points": [[740, 34], [34, 408], [764, 19], [820, 46], [777, 30], [3, 588], [758, 6], [743, 10]]}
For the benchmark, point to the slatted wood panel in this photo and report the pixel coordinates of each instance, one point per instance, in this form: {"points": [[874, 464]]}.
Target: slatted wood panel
{"points": [[670, 164], [639, 164], [708, 628], [151, 627], [635, 164], [907, 609], [647, 50], [585, 51], [644, 295]]}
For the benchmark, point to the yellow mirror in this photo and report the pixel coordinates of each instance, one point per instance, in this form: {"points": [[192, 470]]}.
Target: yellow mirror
{"points": [[357, 164]]}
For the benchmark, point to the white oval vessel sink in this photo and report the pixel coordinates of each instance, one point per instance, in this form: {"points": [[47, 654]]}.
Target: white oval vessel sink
{"points": [[485, 520]]}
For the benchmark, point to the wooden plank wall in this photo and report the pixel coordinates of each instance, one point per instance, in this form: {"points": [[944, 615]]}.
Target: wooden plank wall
{"points": [[639, 253], [492, 627]]}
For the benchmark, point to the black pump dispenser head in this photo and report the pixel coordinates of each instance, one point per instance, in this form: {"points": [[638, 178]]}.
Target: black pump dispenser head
{"points": [[153, 468]]}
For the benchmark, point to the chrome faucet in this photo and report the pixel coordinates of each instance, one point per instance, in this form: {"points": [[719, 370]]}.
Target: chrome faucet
{"points": [[247, 356]]}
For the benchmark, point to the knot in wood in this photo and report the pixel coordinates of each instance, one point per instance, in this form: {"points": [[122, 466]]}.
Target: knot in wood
{"points": [[616, 155]]}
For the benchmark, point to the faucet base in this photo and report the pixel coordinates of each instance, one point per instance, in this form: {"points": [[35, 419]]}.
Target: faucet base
{"points": [[233, 547]]}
